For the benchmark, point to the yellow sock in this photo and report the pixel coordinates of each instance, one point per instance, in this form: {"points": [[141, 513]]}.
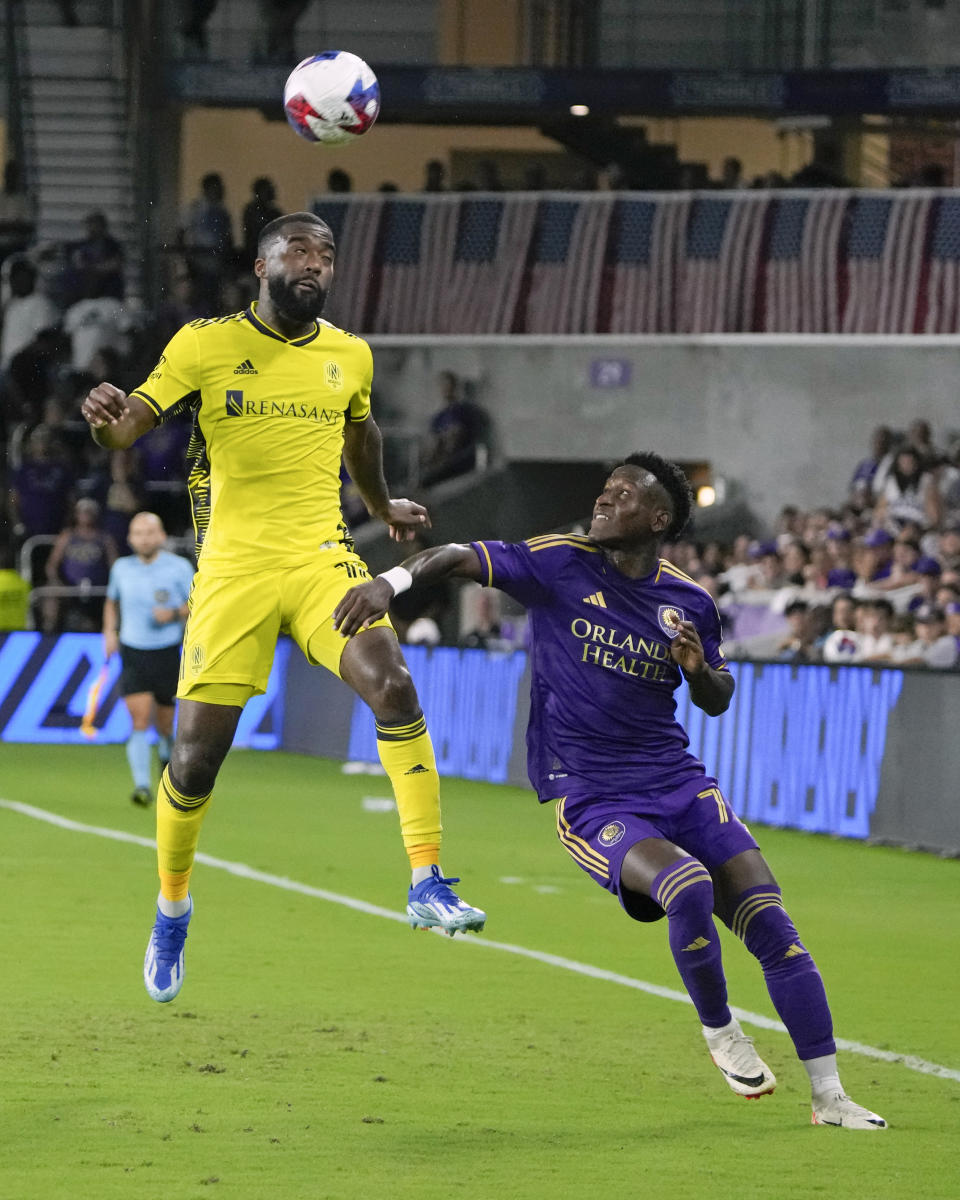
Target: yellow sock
{"points": [[179, 818], [407, 756]]}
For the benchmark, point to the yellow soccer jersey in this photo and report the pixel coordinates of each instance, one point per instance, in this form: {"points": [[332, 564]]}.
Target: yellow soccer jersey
{"points": [[268, 421]]}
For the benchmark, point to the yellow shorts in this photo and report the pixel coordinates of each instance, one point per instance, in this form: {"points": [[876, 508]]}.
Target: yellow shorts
{"points": [[235, 620]]}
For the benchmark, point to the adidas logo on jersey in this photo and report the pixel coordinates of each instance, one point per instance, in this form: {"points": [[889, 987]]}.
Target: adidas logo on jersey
{"points": [[419, 769], [596, 598], [246, 368]]}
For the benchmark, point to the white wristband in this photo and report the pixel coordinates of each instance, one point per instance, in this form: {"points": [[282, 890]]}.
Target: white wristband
{"points": [[399, 579]]}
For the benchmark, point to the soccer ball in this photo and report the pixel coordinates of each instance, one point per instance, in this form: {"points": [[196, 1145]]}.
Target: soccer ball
{"points": [[331, 97]]}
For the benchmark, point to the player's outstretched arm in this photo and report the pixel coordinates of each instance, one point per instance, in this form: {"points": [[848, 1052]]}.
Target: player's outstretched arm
{"points": [[116, 420], [368, 602], [709, 689], [363, 454]]}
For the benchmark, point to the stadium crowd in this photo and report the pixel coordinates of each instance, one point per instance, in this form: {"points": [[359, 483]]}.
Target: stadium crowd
{"points": [[875, 577], [872, 577]]}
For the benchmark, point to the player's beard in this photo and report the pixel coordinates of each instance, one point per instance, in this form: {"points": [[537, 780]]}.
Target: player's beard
{"points": [[297, 306]]}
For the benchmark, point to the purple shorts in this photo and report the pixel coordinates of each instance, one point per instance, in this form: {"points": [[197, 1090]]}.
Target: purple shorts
{"points": [[597, 833]]}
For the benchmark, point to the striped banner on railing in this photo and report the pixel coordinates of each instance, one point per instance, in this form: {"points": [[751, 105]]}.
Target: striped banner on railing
{"points": [[832, 261]]}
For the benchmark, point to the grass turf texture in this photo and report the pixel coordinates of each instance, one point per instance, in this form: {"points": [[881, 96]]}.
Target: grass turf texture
{"points": [[319, 1052]]}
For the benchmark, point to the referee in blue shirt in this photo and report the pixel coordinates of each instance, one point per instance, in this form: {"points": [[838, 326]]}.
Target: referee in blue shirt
{"points": [[143, 617]]}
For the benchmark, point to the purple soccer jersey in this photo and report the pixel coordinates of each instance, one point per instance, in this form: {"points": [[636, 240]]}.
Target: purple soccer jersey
{"points": [[602, 709]]}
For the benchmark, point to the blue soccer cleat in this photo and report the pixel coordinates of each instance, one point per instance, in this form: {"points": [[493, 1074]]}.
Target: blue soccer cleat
{"points": [[434, 904], [163, 964]]}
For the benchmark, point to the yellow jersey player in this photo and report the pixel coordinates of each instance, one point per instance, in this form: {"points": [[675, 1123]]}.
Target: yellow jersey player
{"points": [[277, 397]]}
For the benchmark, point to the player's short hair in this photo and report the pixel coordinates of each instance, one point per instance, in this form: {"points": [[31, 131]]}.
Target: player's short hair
{"points": [[672, 479], [273, 229]]}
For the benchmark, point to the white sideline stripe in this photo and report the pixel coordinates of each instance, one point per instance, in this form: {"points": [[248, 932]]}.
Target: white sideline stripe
{"points": [[551, 960]]}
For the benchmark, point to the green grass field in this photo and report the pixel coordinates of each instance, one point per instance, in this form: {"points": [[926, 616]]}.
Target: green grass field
{"points": [[318, 1051]]}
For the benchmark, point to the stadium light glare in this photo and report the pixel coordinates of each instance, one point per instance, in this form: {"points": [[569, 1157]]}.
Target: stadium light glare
{"points": [[706, 495], [579, 110]]}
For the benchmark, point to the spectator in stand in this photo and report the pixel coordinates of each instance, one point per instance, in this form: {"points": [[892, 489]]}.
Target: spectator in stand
{"points": [[16, 214], [948, 484], [790, 525], [928, 572], [920, 438], [873, 558], [94, 323], [26, 312], [843, 611], [180, 306], [731, 174], [207, 236], [948, 590], [260, 210], [161, 454], [908, 493], [124, 497], [951, 611], [824, 171], [193, 24], [795, 559], [796, 644], [767, 574], [488, 176], [278, 20], [860, 491], [339, 182], [948, 545], [711, 558], [934, 647], [738, 567], [535, 178], [840, 642], [903, 635], [435, 176], [840, 550], [905, 555], [96, 261], [29, 378], [876, 640], [456, 433], [81, 558], [40, 487], [817, 572]]}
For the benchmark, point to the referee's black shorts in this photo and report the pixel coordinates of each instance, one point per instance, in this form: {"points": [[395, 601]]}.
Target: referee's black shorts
{"points": [[154, 671]]}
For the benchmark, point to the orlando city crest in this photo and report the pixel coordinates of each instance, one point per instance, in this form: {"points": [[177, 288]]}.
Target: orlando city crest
{"points": [[610, 834], [670, 617]]}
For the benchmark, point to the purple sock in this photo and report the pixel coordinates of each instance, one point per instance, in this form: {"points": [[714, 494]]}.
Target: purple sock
{"points": [[792, 978], [685, 892]]}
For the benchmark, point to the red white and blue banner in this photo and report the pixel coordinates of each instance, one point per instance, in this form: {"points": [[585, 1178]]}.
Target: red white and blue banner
{"points": [[828, 261]]}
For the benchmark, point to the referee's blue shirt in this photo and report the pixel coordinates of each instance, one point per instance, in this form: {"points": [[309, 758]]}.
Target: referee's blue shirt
{"points": [[140, 587]]}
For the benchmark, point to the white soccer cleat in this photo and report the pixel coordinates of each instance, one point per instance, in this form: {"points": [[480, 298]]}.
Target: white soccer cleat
{"points": [[742, 1067], [838, 1109], [433, 904]]}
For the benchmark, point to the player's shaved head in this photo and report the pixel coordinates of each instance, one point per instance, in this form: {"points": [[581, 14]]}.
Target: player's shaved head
{"points": [[146, 520], [281, 227], [146, 535]]}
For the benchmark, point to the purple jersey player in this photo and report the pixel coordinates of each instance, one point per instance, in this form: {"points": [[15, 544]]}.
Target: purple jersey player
{"points": [[615, 629]]}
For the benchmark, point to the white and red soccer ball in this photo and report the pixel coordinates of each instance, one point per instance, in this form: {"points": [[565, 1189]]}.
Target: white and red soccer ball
{"points": [[332, 97]]}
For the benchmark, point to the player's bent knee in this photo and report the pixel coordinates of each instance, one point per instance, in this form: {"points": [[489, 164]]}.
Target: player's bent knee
{"points": [[393, 697], [765, 927], [193, 768], [685, 889]]}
